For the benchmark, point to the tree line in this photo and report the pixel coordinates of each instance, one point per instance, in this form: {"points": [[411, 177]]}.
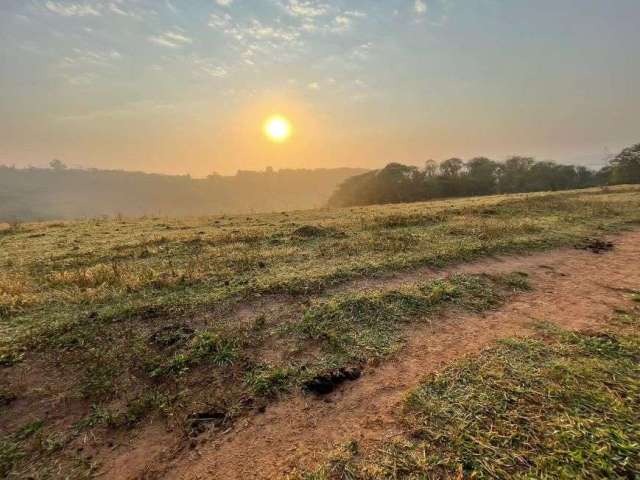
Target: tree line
{"points": [[454, 177]]}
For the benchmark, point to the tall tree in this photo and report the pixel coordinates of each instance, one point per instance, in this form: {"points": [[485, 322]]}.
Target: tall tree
{"points": [[512, 174], [451, 167], [626, 166]]}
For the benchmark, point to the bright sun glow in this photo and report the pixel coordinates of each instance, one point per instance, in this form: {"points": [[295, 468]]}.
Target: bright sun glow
{"points": [[277, 128]]}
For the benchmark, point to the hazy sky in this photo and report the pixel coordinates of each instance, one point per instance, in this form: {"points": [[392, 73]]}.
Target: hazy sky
{"points": [[183, 86]]}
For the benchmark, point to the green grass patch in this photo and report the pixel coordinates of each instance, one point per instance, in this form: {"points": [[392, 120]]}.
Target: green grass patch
{"points": [[362, 326]]}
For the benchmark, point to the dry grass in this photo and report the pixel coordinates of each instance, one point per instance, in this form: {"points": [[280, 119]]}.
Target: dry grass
{"points": [[122, 320]]}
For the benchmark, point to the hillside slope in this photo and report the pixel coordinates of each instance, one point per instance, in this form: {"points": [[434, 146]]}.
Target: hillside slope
{"points": [[52, 194], [126, 343]]}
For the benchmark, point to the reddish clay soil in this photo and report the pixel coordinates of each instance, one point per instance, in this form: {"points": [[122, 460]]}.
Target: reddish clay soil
{"points": [[575, 289]]}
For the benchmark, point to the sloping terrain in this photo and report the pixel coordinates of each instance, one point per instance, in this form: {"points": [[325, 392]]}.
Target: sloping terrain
{"points": [[240, 347], [573, 290]]}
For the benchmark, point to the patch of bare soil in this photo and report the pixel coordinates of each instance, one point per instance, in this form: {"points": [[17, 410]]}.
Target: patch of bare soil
{"points": [[573, 288]]}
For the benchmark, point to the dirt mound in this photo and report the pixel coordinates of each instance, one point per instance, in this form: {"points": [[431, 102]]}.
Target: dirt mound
{"points": [[324, 384], [595, 245]]}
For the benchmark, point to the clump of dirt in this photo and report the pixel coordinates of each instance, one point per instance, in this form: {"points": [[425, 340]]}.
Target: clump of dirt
{"points": [[327, 383], [595, 245], [197, 423], [172, 335]]}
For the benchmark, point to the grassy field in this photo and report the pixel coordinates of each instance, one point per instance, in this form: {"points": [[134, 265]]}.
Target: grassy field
{"points": [[200, 321], [564, 405]]}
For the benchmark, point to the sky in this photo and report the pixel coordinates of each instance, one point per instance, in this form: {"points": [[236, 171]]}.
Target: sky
{"points": [[184, 86]]}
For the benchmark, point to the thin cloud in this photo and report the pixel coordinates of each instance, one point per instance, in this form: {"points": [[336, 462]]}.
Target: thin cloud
{"points": [[222, 22], [171, 39], [208, 67], [341, 23], [306, 8], [95, 9], [224, 3], [80, 79], [82, 57], [420, 7], [118, 7], [254, 29], [72, 9]]}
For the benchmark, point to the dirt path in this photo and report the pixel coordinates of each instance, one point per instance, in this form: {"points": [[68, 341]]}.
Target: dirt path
{"points": [[575, 289]]}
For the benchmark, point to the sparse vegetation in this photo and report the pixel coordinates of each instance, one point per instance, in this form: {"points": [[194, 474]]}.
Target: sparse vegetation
{"points": [[564, 405]]}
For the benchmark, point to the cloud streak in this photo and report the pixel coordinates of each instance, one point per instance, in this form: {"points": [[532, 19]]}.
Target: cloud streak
{"points": [[72, 9], [171, 39]]}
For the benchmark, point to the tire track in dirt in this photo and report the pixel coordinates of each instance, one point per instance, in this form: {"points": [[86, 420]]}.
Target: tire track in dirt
{"points": [[574, 289]]}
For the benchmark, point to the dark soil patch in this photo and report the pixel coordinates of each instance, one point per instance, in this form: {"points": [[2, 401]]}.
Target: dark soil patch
{"points": [[327, 383], [595, 245], [197, 423], [311, 231], [6, 398], [172, 335]]}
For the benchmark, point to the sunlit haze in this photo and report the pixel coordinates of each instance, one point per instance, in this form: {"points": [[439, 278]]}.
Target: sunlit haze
{"points": [[175, 86]]}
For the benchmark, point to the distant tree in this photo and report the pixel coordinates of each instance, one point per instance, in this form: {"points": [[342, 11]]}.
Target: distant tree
{"points": [[357, 190], [481, 176], [57, 165], [625, 167], [542, 176], [585, 177], [512, 174], [430, 168], [451, 167], [565, 177], [398, 183], [450, 183]]}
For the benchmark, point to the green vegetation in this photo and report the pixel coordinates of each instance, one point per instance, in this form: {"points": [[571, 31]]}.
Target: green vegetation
{"points": [[354, 328], [562, 406], [209, 318]]}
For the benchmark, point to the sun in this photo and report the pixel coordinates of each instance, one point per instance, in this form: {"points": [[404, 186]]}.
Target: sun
{"points": [[277, 128]]}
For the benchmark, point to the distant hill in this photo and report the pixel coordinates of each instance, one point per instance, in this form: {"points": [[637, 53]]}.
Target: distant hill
{"points": [[61, 193]]}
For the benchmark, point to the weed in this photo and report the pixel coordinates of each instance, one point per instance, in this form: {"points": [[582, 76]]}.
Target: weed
{"points": [[215, 349], [268, 381], [10, 454], [517, 280], [206, 347]]}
